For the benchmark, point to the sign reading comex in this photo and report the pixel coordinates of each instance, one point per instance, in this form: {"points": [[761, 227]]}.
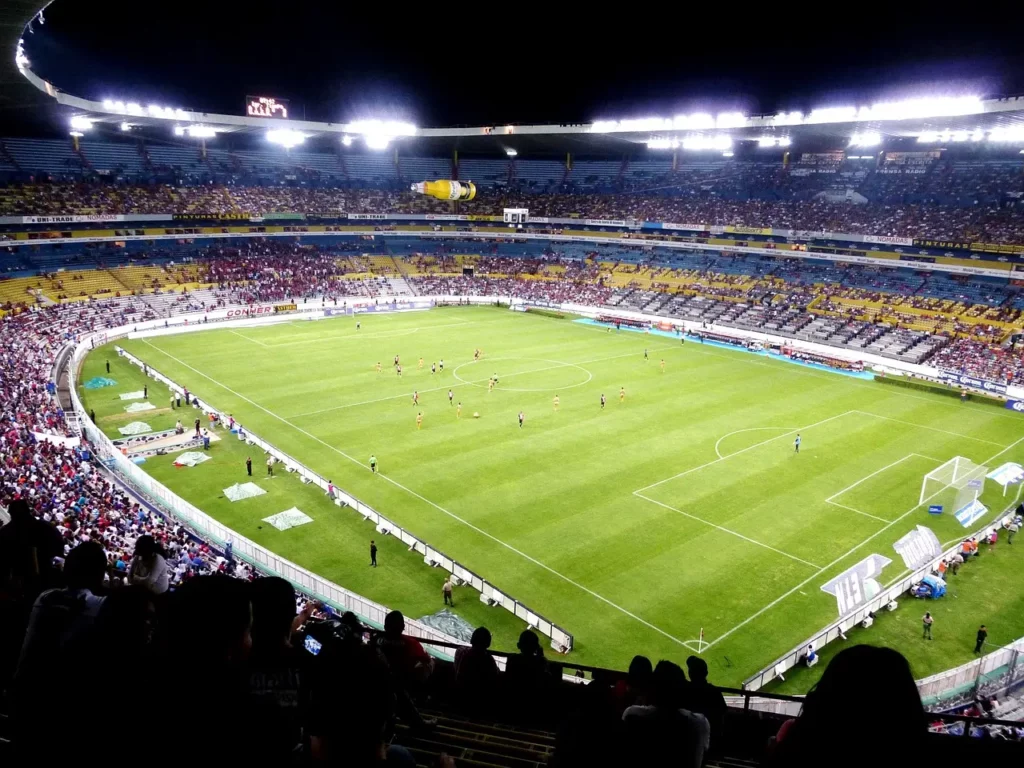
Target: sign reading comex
{"points": [[856, 586], [264, 106]]}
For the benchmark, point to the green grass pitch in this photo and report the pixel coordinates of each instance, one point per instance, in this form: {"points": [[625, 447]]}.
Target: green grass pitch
{"points": [[633, 526]]}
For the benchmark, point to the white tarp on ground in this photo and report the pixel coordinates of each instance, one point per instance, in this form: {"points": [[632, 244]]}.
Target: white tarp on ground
{"points": [[191, 458], [240, 491], [132, 395], [290, 518], [135, 428], [136, 407]]}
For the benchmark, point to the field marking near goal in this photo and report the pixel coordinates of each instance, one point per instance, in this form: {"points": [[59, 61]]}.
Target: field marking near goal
{"points": [[829, 500], [424, 499], [932, 429], [791, 430], [743, 450], [725, 530], [805, 582], [464, 383]]}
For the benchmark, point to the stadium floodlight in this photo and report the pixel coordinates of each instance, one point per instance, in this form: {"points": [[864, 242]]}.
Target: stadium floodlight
{"points": [[390, 128], [832, 115], [201, 131], [977, 135], [698, 121], [76, 134], [728, 154], [1015, 133], [941, 106], [961, 135], [773, 141], [731, 120], [20, 59], [377, 140], [285, 137], [866, 139], [126, 127], [511, 152], [346, 140], [722, 142], [928, 137], [79, 123], [788, 118], [132, 108], [663, 143]]}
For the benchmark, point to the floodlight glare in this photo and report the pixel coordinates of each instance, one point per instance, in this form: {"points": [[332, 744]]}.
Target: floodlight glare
{"points": [[731, 120], [346, 140], [866, 139], [126, 126], [79, 123], [382, 128], [773, 141], [285, 137], [376, 140], [132, 108], [201, 131], [76, 134], [179, 131], [511, 152]]}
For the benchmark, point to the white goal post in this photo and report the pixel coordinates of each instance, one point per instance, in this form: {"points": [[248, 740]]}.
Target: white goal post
{"points": [[959, 479]]}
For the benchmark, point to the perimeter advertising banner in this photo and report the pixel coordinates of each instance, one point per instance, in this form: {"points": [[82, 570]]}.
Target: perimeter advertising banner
{"points": [[959, 379], [226, 216], [71, 219]]}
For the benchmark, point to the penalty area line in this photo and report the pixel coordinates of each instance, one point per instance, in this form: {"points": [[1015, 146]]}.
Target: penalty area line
{"points": [[425, 500], [842, 557]]}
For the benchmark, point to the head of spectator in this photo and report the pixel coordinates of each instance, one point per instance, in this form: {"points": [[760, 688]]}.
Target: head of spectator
{"points": [[857, 680], [668, 686], [27, 548], [394, 624], [273, 613], [529, 644], [149, 566]]}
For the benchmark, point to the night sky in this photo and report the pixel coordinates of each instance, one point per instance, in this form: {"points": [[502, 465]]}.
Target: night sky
{"points": [[479, 64]]}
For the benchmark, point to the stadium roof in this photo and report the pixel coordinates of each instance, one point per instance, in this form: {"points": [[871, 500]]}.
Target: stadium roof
{"points": [[924, 122]]}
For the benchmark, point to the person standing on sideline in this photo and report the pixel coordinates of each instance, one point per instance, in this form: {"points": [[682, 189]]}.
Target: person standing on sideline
{"points": [[172, 402], [108, 366], [1011, 531], [927, 621], [145, 392], [373, 553], [979, 641], [248, 466], [521, 417], [270, 466], [796, 443], [645, 355], [446, 590], [373, 464], [92, 415], [197, 427]]}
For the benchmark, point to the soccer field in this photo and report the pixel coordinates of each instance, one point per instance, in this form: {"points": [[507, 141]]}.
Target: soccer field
{"points": [[634, 526]]}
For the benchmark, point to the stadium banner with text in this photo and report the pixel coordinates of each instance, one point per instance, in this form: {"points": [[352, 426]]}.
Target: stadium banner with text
{"points": [[996, 248], [285, 307], [365, 216], [739, 230], [949, 377], [883, 239], [919, 547], [284, 216], [857, 585], [948, 245], [1015, 405], [99, 217], [683, 227], [472, 217], [225, 216]]}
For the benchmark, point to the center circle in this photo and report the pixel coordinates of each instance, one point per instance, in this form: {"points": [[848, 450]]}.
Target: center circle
{"points": [[540, 366]]}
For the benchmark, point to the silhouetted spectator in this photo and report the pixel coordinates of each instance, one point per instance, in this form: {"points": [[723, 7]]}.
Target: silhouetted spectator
{"points": [[705, 699], [409, 662], [857, 680], [149, 566], [636, 688], [664, 732], [476, 673]]}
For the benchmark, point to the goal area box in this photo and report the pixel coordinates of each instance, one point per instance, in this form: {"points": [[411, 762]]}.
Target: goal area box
{"points": [[956, 487]]}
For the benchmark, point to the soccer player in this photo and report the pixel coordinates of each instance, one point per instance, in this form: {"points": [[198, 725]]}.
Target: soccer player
{"points": [[358, 325], [373, 464], [490, 384], [521, 417], [663, 365], [398, 370], [495, 379], [622, 394], [645, 355], [396, 361], [416, 398], [458, 410], [602, 401], [433, 367], [476, 353], [796, 444], [378, 366], [451, 397], [419, 420], [440, 365], [421, 364], [557, 403]]}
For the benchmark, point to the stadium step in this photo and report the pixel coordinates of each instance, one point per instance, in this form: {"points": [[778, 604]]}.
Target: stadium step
{"points": [[476, 743]]}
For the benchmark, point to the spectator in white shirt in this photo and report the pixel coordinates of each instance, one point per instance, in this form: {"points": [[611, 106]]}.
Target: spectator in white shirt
{"points": [[149, 568]]}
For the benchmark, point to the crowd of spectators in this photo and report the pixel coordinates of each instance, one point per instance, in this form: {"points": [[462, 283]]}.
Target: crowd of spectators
{"points": [[714, 203], [976, 358]]}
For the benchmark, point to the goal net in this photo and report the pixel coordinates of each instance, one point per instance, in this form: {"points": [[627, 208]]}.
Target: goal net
{"points": [[956, 486]]}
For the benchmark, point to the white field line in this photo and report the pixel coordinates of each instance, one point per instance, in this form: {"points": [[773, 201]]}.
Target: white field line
{"points": [[254, 341], [852, 509], [932, 429], [794, 370], [397, 332], [877, 533], [751, 429], [744, 450], [424, 499], [723, 529], [461, 384], [876, 472]]}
